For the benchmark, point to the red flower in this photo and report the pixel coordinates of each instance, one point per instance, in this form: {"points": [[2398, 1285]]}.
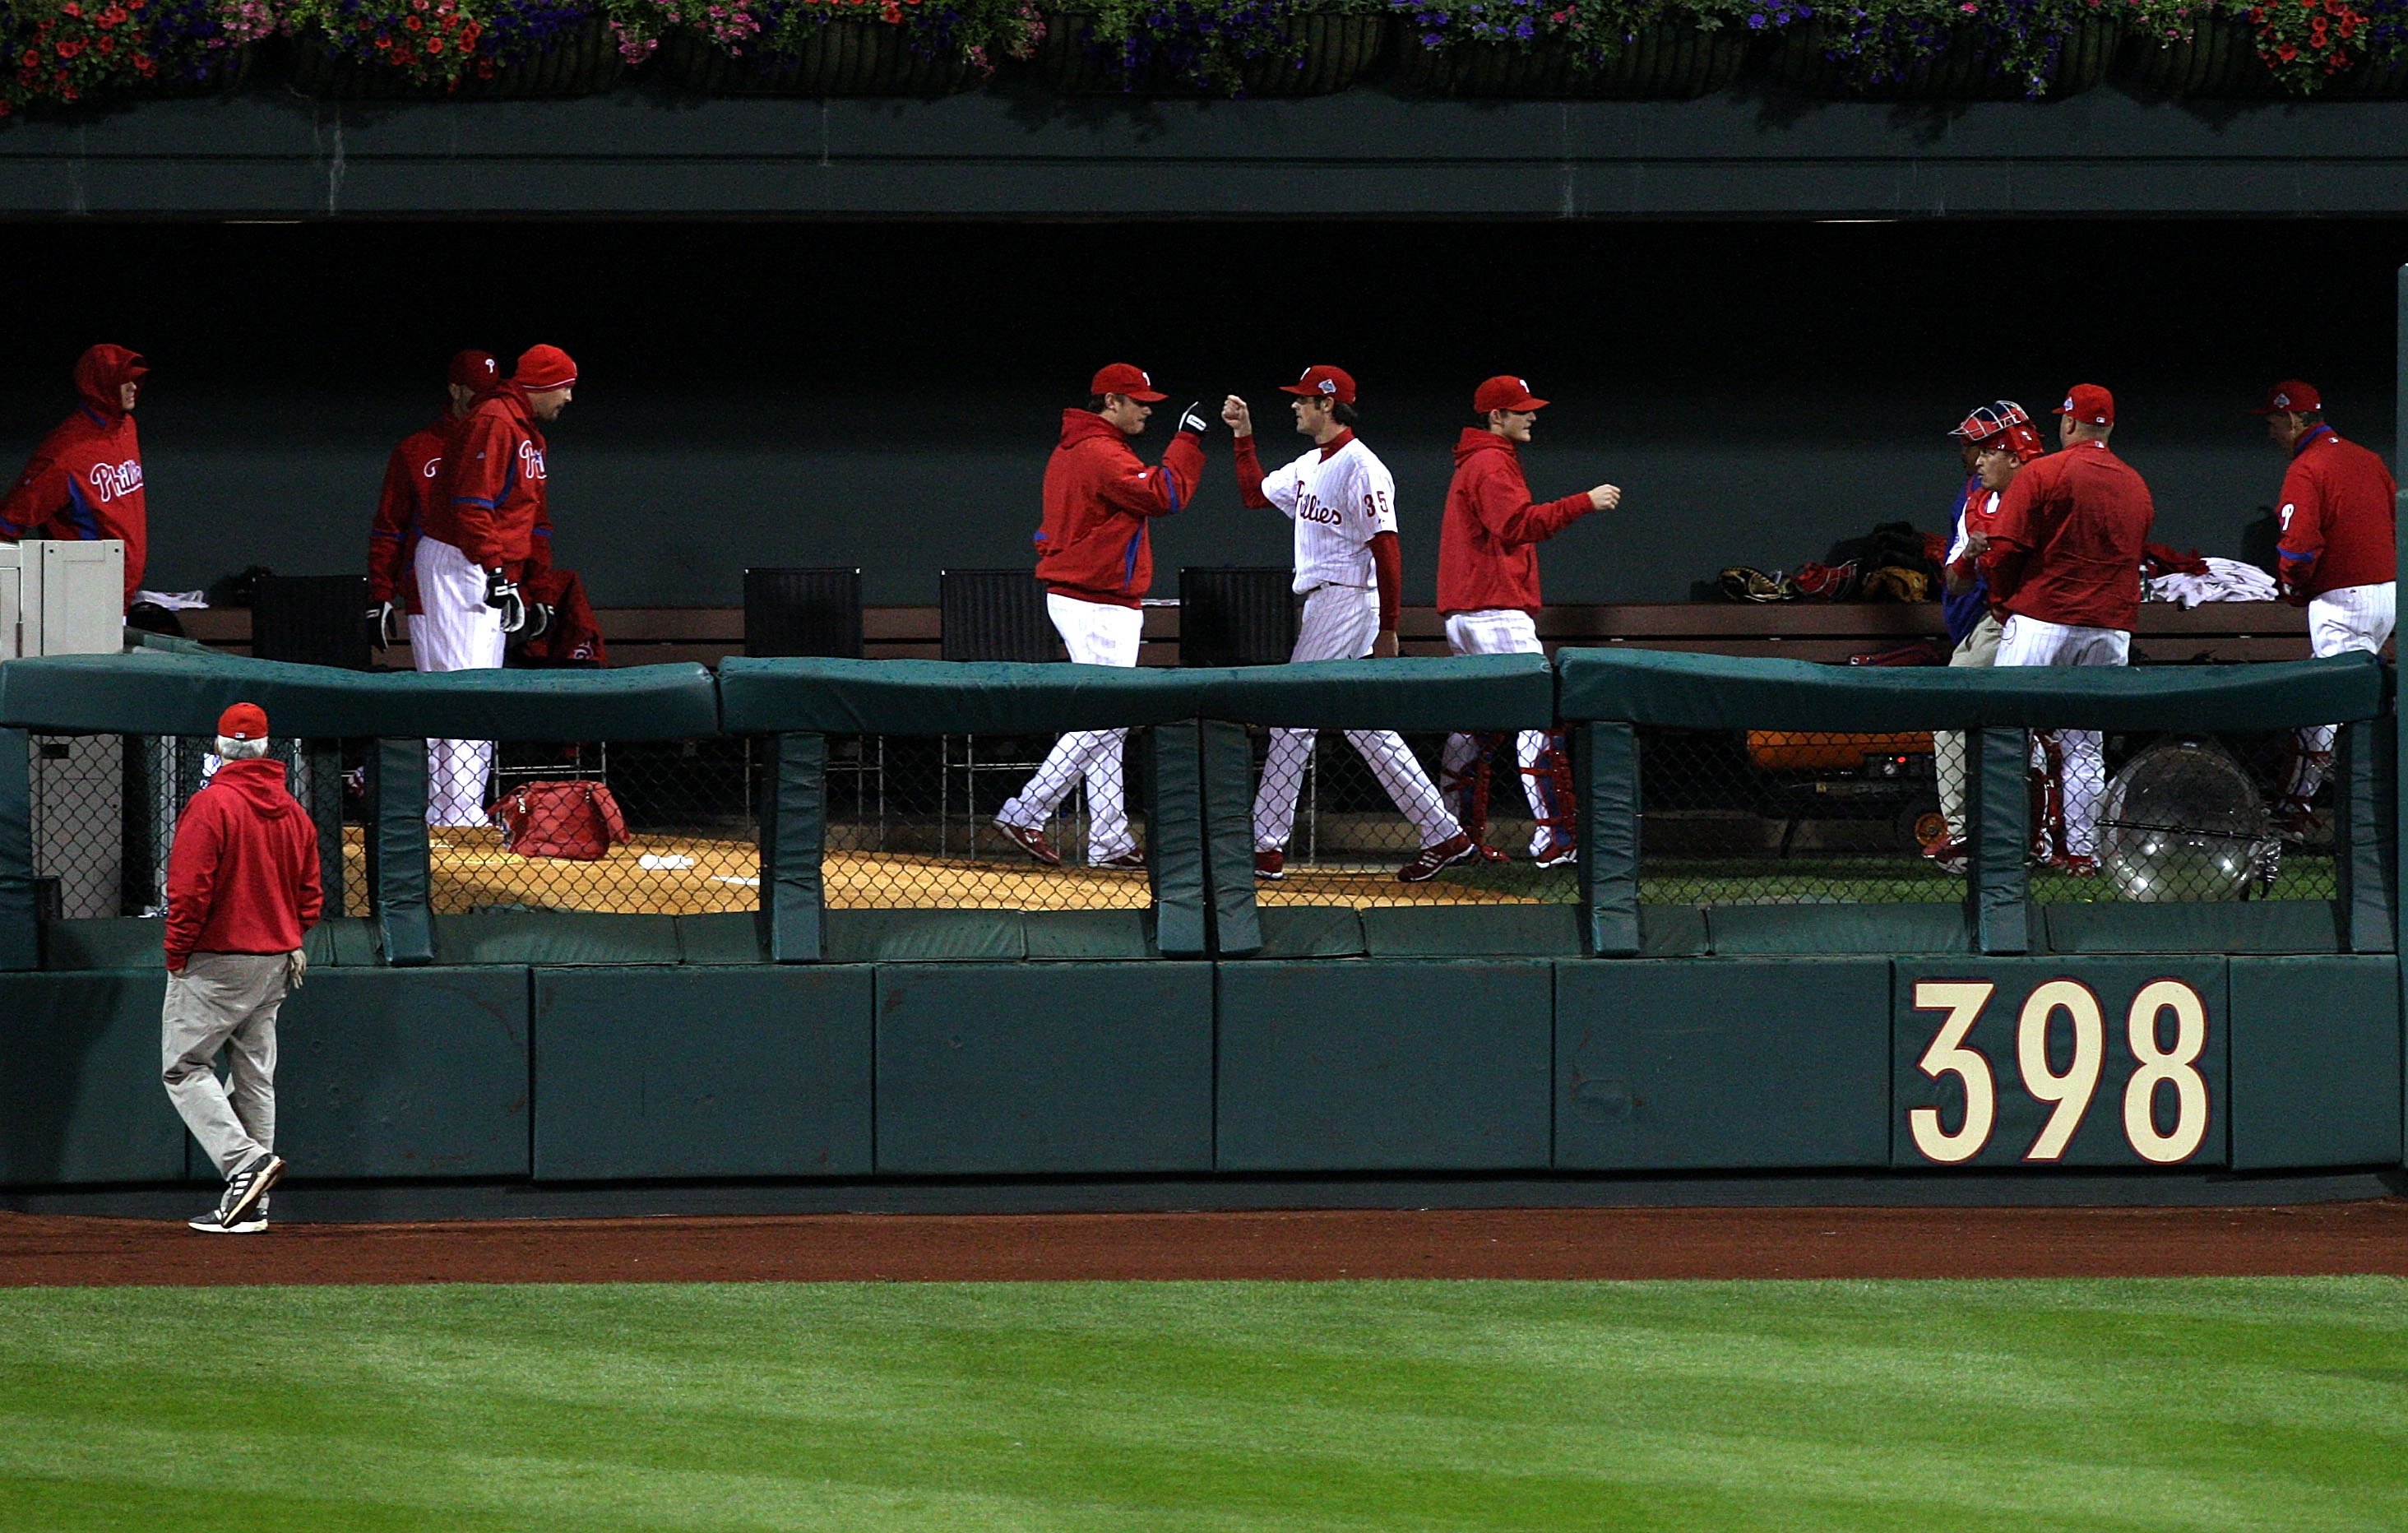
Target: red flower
{"points": [[383, 41], [485, 69], [106, 46], [413, 23], [890, 12], [435, 45], [2286, 53], [71, 8], [70, 48], [31, 59]]}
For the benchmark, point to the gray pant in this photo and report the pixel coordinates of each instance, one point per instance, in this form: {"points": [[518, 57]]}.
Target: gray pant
{"points": [[1948, 750], [225, 1000]]}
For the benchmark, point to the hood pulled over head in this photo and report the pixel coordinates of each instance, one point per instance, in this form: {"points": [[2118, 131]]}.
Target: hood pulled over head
{"points": [[102, 371]]}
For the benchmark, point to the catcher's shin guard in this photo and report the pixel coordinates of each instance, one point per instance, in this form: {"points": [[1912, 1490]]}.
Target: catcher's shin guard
{"points": [[2307, 761], [1558, 805], [1464, 783], [2046, 778]]}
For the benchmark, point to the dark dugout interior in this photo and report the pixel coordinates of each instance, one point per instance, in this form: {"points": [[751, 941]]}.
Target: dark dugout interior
{"points": [[884, 394]]}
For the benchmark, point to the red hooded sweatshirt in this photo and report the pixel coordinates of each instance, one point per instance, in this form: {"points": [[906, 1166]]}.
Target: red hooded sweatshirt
{"points": [[1488, 547], [491, 492], [85, 480], [410, 477], [242, 873], [1098, 497]]}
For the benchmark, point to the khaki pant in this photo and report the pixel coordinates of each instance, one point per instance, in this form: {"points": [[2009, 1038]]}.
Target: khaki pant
{"points": [[1978, 648], [225, 1000]]}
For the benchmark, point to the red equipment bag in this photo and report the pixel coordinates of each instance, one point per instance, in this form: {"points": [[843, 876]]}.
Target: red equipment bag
{"points": [[578, 821]]}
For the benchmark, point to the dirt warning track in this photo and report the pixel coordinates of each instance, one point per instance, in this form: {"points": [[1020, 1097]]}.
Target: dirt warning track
{"points": [[1559, 1243]]}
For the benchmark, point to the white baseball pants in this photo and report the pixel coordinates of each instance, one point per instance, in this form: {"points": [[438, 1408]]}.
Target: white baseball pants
{"points": [[1948, 758], [1503, 631], [2029, 641], [1096, 633], [1341, 623], [2353, 617], [457, 632]]}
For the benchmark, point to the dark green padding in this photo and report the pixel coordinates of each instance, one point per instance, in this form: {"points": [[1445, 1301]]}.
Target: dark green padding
{"points": [[733, 937], [1094, 935], [1310, 931], [1001, 1070], [155, 691], [1725, 692], [1606, 756], [1673, 931], [1747, 1064], [80, 1094], [137, 942], [554, 937], [1225, 793], [2100, 1139], [668, 1072], [1374, 1066], [2267, 926], [1174, 851], [946, 697], [21, 945], [416, 1072], [2316, 1062], [1743, 930], [925, 937], [1472, 931], [398, 853], [793, 847]]}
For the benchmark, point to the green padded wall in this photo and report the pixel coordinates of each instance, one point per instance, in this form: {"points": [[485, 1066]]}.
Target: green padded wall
{"points": [[416, 1072], [2102, 1134], [1690, 1064], [80, 1093], [2316, 1062], [1049, 1069], [1370, 1065], [21, 945], [728, 1072]]}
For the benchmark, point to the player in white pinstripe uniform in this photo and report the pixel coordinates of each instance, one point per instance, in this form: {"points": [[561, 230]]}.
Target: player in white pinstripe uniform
{"points": [[1343, 500]]}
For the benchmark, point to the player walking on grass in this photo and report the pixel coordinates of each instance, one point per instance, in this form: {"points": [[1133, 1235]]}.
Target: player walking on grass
{"points": [[2064, 565], [2337, 557], [1488, 593], [1095, 556], [1995, 441], [242, 890], [1348, 569]]}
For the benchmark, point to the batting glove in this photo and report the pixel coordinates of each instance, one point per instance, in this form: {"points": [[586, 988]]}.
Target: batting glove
{"points": [[1193, 419], [503, 591], [538, 620], [380, 622]]}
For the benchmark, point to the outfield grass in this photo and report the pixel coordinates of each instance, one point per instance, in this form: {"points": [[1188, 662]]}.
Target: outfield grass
{"points": [[2126, 1405]]}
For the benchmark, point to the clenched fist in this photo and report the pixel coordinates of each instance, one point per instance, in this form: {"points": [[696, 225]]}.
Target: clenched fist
{"points": [[1605, 498], [1235, 415]]}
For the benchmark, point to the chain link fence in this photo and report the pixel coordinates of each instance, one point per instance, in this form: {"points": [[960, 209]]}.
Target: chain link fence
{"points": [[1781, 817]]}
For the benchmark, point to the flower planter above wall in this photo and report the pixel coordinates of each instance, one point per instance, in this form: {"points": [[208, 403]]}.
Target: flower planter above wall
{"points": [[2220, 60], [1971, 67], [1324, 54], [841, 58], [581, 59], [1661, 63]]}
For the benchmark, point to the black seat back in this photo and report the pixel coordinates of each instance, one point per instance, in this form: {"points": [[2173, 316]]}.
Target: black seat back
{"points": [[994, 614], [1236, 617], [803, 612]]}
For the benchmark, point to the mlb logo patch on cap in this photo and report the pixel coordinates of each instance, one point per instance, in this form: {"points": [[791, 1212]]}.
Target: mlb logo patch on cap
{"points": [[1324, 382]]}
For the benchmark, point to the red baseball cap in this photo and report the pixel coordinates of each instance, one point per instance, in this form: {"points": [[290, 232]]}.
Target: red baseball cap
{"points": [[1504, 391], [542, 368], [1323, 382], [473, 370], [2290, 395], [2089, 404], [243, 721], [1120, 377]]}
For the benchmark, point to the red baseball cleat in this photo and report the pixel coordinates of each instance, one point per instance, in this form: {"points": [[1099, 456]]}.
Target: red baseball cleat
{"points": [[2073, 864], [1454, 848], [1133, 858], [1269, 867], [1033, 843]]}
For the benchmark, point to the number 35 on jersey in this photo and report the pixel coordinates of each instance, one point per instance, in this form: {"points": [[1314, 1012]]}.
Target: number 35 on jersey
{"points": [[2034, 1065]]}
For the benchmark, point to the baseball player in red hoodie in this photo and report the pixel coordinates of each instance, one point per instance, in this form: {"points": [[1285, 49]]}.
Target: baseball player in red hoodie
{"points": [[2338, 516], [1488, 593], [242, 892], [474, 538], [85, 480], [1348, 569], [2064, 565], [1095, 555]]}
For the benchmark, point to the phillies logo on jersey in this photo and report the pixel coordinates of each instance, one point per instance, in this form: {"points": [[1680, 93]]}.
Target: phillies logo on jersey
{"points": [[433, 466], [531, 460], [112, 480], [1308, 509]]}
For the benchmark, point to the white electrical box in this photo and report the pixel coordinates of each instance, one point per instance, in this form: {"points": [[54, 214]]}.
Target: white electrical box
{"points": [[60, 598]]}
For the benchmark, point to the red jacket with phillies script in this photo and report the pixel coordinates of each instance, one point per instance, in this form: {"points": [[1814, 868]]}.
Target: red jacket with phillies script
{"points": [[410, 479], [242, 873], [490, 495], [85, 480], [2067, 540], [2338, 516], [1100, 495], [1488, 546]]}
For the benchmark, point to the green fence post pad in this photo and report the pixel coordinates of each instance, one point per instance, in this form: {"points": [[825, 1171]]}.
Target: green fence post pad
{"points": [[1957, 1021], [21, 938], [1807, 930], [80, 1094], [1771, 1063], [1472, 931], [554, 937], [2265, 926], [1093, 935], [731, 937], [1310, 931], [404, 1073], [732, 1072], [925, 937], [1374, 1065], [1100, 1069], [2316, 1062], [1673, 931]]}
